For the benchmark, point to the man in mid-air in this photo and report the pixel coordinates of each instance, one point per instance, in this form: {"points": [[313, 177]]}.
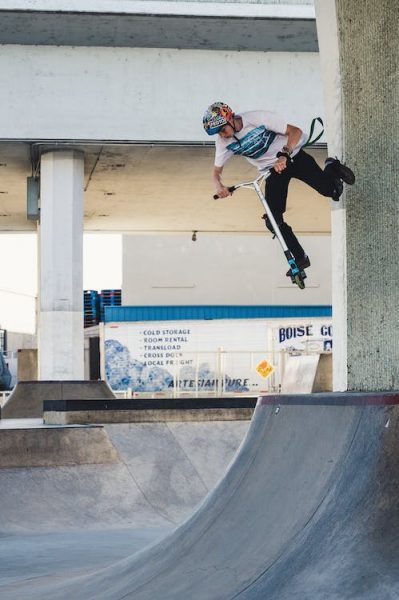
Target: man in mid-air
{"points": [[268, 142]]}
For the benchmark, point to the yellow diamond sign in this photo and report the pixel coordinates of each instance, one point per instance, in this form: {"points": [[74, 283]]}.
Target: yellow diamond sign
{"points": [[264, 368]]}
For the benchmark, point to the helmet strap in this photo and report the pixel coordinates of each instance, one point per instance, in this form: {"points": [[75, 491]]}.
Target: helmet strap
{"points": [[233, 125]]}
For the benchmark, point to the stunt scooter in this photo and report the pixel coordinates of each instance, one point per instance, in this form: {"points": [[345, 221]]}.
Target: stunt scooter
{"points": [[297, 276]]}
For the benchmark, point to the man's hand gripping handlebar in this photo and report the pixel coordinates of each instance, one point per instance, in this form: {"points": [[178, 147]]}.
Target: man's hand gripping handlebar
{"points": [[231, 189], [247, 184]]}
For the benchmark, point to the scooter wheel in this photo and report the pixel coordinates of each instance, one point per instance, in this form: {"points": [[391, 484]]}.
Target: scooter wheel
{"points": [[299, 281]]}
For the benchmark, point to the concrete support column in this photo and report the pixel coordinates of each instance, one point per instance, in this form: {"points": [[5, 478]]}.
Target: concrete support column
{"points": [[369, 82], [60, 323], [369, 50]]}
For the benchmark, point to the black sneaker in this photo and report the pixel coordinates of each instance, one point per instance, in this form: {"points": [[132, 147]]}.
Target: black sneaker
{"points": [[338, 189], [340, 171], [302, 263]]}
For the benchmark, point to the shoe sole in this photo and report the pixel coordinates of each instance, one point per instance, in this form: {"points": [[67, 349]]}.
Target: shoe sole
{"points": [[346, 174], [341, 170]]}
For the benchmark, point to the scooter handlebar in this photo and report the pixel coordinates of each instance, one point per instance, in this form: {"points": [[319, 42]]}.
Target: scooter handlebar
{"points": [[231, 190]]}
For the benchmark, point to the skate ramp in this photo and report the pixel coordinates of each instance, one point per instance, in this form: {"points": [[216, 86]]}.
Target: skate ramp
{"points": [[307, 510], [135, 475], [42, 446], [26, 399]]}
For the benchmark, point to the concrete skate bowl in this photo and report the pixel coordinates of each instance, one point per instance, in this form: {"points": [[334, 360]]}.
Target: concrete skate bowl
{"points": [[308, 510], [92, 495]]}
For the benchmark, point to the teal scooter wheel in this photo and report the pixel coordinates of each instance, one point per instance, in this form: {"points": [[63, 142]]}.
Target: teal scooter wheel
{"points": [[299, 281]]}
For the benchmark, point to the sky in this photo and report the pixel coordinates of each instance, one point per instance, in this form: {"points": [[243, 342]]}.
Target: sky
{"points": [[102, 269]]}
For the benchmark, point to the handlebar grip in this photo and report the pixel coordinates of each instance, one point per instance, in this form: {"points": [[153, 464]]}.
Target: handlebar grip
{"points": [[231, 189]]}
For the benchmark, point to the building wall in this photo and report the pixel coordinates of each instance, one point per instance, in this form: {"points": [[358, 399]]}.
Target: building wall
{"points": [[219, 269], [18, 341]]}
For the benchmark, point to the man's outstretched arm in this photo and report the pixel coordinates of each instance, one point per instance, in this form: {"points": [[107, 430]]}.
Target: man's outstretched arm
{"points": [[221, 190]]}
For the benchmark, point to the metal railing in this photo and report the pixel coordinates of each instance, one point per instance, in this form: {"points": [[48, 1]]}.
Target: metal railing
{"points": [[222, 374]]}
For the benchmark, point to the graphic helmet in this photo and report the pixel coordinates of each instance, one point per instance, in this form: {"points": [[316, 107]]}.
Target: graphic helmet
{"points": [[216, 116]]}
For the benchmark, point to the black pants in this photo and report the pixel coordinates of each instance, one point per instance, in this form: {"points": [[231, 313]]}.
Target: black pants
{"points": [[305, 168]]}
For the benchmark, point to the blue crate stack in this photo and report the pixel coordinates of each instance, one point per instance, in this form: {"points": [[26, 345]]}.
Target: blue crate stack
{"points": [[91, 308], [109, 298]]}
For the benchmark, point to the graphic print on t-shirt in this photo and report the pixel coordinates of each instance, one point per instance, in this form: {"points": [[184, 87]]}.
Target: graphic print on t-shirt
{"points": [[254, 144]]}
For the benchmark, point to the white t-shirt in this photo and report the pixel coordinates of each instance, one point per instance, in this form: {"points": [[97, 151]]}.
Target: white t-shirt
{"points": [[261, 137]]}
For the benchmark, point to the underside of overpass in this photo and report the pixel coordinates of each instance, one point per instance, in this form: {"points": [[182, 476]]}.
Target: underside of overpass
{"points": [[150, 188]]}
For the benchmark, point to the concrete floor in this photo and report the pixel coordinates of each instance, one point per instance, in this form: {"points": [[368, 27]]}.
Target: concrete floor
{"points": [[55, 555]]}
